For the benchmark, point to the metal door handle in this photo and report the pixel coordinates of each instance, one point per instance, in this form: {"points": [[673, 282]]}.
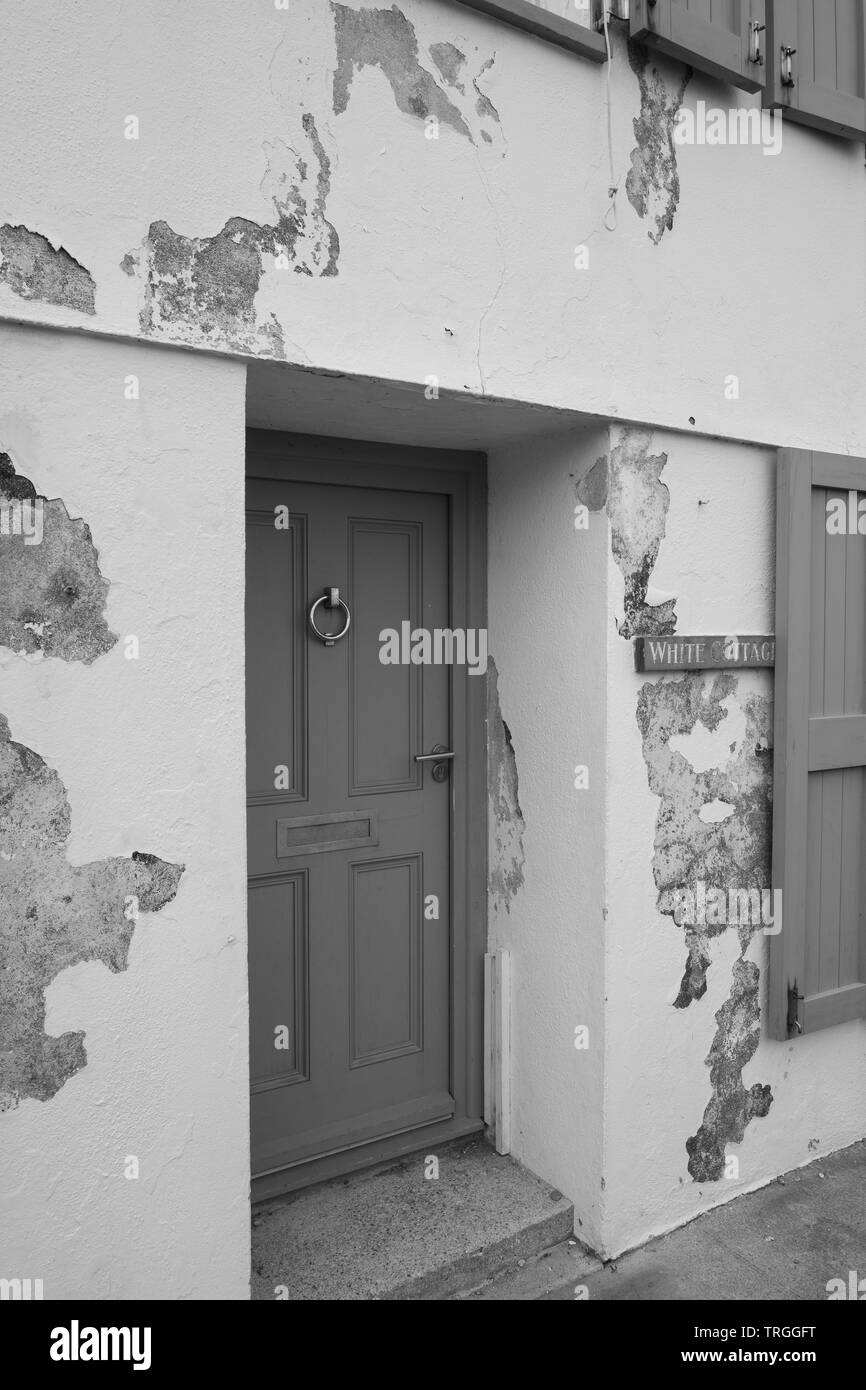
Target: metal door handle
{"points": [[439, 758]]}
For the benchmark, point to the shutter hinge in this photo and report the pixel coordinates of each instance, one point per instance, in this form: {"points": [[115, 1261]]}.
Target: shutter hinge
{"points": [[787, 75], [616, 9], [756, 53], [794, 998]]}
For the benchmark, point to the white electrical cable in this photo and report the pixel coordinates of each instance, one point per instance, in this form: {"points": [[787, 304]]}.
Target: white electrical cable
{"points": [[612, 187]]}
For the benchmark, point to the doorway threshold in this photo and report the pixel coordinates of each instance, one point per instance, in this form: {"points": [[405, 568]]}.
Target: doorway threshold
{"points": [[429, 1226]]}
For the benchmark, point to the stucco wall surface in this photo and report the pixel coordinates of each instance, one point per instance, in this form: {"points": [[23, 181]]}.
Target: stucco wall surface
{"points": [[547, 617], [398, 190], [124, 1123]]}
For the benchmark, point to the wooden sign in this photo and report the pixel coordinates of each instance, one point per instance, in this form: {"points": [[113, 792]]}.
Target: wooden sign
{"points": [[716, 653]]}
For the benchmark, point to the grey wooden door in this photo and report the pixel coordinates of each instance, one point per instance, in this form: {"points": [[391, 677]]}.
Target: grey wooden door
{"points": [[347, 834]]}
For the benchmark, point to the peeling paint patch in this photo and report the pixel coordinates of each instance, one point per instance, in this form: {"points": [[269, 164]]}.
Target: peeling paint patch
{"points": [[52, 594], [733, 852], [386, 39], [272, 332], [34, 269], [637, 506], [508, 825], [706, 748], [450, 62], [592, 488], [731, 1106], [653, 181], [204, 288], [300, 198], [53, 915]]}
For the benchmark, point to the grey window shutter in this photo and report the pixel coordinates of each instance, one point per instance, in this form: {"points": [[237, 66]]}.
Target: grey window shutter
{"points": [[712, 35], [818, 959], [827, 80]]}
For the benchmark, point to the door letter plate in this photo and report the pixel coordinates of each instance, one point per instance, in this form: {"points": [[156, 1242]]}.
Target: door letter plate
{"points": [[313, 834]]}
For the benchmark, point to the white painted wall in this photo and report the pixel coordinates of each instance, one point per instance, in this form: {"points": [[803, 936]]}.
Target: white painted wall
{"points": [[717, 557], [457, 258], [151, 753], [547, 619]]}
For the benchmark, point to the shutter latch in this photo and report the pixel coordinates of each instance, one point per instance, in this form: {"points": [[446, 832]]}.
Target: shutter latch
{"points": [[756, 53], [794, 997]]}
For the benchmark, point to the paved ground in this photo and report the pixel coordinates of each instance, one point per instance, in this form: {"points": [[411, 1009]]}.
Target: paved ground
{"points": [[786, 1241]]}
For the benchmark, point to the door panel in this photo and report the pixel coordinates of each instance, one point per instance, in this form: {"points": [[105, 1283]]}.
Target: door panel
{"points": [[386, 579], [385, 959], [279, 923], [277, 564], [345, 971]]}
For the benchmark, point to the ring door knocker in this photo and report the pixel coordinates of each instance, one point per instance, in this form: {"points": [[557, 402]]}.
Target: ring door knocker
{"points": [[331, 599]]}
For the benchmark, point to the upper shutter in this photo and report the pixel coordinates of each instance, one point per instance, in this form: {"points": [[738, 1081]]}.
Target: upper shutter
{"points": [[713, 35], [827, 86], [818, 959]]}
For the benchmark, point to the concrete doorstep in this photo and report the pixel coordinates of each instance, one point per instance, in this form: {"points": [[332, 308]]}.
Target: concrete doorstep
{"points": [[426, 1227]]}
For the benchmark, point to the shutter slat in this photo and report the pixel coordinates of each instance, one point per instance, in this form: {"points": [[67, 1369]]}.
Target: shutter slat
{"points": [[820, 750], [810, 983], [824, 41], [853, 858], [712, 37], [805, 33], [831, 880], [791, 729], [852, 873], [849, 54]]}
